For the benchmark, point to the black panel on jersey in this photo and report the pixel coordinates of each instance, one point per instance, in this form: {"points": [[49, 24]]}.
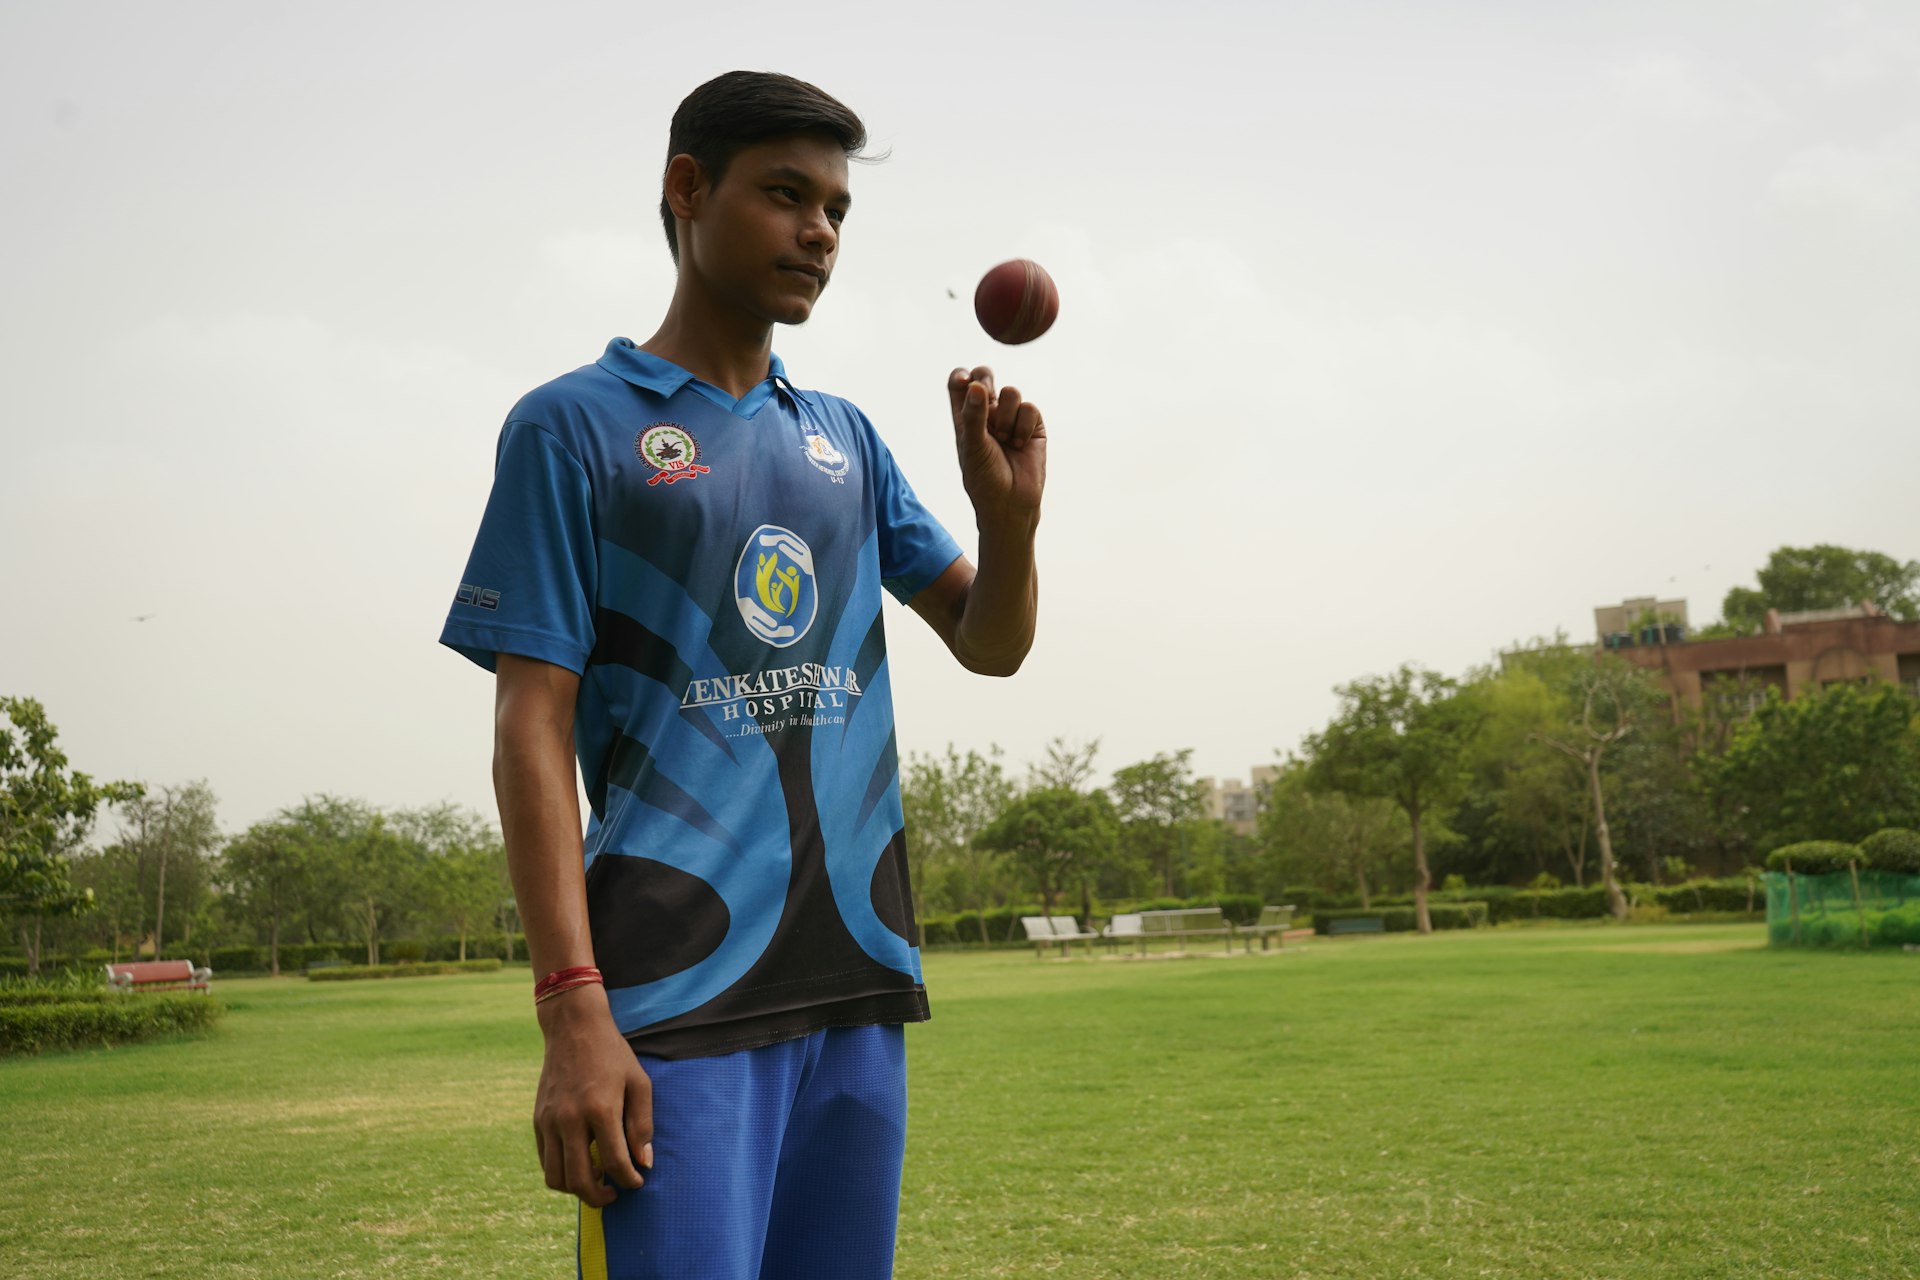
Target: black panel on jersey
{"points": [[650, 920], [891, 900], [810, 938]]}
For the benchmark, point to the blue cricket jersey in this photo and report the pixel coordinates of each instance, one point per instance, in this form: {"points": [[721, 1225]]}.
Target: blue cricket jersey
{"points": [[713, 570]]}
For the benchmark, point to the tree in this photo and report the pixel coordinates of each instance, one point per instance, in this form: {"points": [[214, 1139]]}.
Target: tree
{"points": [[1329, 839], [1155, 801], [1527, 799], [1825, 577], [1066, 764], [1403, 737], [462, 866], [170, 835], [948, 801], [265, 869], [361, 866], [1050, 834], [1610, 698], [46, 810], [1834, 764]]}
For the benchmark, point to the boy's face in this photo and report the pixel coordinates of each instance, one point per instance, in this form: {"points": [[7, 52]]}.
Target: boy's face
{"points": [[763, 238]]}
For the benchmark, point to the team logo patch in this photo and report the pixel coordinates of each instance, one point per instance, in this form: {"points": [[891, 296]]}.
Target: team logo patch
{"points": [[671, 450], [826, 458], [774, 587]]}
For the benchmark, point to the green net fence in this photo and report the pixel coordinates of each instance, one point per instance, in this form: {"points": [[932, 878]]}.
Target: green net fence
{"points": [[1823, 911]]}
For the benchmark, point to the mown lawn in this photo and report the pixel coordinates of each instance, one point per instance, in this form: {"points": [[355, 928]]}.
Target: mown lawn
{"points": [[1646, 1102]]}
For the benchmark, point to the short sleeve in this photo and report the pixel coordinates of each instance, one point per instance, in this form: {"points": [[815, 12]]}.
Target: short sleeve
{"points": [[532, 578], [915, 548]]}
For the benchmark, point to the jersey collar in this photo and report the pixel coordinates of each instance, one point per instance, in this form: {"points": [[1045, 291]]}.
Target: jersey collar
{"points": [[663, 377]]}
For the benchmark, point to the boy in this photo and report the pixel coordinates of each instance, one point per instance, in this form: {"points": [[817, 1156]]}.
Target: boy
{"points": [[678, 579]]}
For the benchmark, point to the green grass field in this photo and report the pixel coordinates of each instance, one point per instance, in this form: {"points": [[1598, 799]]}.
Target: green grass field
{"points": [[1643, 1102]]}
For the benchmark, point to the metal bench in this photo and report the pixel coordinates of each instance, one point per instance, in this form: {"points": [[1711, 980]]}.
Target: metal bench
{"points": [[159, 975], [1184, 923], [1124, 927], [1271, 927], [1045, 931], [1357, 924]]}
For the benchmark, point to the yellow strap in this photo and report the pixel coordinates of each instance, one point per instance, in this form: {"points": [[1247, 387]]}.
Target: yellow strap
{"points": [[593, 1244]]}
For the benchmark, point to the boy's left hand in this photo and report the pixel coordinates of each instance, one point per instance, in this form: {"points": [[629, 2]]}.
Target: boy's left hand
{"points": [[1002, 441]]}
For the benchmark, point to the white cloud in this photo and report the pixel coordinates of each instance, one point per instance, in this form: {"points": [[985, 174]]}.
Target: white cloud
{"points": [[1878, 179]]}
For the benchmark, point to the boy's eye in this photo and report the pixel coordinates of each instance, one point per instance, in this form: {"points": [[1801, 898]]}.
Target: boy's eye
{"points": [[788, 192], [838, 215]]}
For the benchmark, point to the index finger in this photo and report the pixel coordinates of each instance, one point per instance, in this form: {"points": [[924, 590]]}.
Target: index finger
{"points": [[960, 379]]}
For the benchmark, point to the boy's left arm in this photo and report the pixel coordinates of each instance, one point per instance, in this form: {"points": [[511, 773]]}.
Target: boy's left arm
{"points": [[986, 614]]}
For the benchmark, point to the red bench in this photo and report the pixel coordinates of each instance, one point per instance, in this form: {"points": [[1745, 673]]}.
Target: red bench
{"points": [[159, 975]]}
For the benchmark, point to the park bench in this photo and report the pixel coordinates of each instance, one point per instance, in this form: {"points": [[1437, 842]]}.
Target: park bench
{"points": [[1124, 927], [1271, 926], [1357, 924], [159, 975], [1184, 923], [1045, 931]]}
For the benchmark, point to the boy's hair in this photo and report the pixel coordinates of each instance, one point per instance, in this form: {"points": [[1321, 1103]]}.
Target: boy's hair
{"points": [[733, 111]]}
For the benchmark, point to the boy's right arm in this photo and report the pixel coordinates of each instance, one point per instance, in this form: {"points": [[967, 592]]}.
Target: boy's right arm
{"points": [[592, 1087]]}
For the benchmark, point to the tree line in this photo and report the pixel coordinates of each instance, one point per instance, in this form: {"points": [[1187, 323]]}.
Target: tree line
{"points": [[1551, 764], [326, 870]]}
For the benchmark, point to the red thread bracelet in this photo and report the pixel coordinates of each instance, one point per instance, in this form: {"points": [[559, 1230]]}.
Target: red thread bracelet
{"points": [[582, 975]]}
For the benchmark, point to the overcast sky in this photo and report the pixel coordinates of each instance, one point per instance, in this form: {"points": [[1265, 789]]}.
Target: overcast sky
{"points": [[1390, 332]]}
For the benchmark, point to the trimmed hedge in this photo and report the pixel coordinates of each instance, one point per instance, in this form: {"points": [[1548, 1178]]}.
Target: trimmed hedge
{"points": [[352, 972], [1892, 849], [1815, 857], [1840, 930], [82, 1020], [1444, 915]]}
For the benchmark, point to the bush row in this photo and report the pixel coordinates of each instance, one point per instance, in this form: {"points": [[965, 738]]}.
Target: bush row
{"points": [[293, 955], [1890, 849], [353, 972], [14, 997], [1443, 915], [1841, 929], [79, 1023]]}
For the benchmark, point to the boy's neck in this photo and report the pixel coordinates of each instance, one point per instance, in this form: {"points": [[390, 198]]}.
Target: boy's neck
{"points": [[721, 346]]}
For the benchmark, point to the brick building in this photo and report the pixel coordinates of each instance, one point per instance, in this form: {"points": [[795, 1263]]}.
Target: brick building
{"points": [[1793, 652]]}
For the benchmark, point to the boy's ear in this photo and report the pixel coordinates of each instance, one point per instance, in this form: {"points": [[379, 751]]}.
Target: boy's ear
{"points": [[685, 185]]}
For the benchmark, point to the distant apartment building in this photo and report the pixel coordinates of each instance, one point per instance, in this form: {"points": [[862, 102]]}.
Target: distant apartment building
{"points": [[1793, 652], [1238, 803]]}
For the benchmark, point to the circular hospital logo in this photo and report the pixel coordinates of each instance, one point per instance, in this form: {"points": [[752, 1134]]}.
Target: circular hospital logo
{"points": [[773, 585], [671, 450]]}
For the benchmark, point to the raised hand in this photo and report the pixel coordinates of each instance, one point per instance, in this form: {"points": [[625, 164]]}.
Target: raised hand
{"points": [[1002, 443]]}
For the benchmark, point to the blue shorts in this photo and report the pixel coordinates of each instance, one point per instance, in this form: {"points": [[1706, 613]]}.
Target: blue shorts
{"points": [[776, 1163]]}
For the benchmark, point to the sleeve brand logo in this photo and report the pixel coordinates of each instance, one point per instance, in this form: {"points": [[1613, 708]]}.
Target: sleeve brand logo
{"points": [[670, 450], [774, 587], [479, 597]]}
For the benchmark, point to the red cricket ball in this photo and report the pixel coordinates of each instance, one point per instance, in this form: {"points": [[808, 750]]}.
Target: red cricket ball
{"points": [[1016, 301]]}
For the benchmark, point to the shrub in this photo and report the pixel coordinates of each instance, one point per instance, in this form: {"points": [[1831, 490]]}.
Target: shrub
{"points": [[1815, 857], [407, 951], [1728, 894], [351, 972], [1892, 849], [240, 960], [34, 1027], [1240, 908], [1443, 915]]}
